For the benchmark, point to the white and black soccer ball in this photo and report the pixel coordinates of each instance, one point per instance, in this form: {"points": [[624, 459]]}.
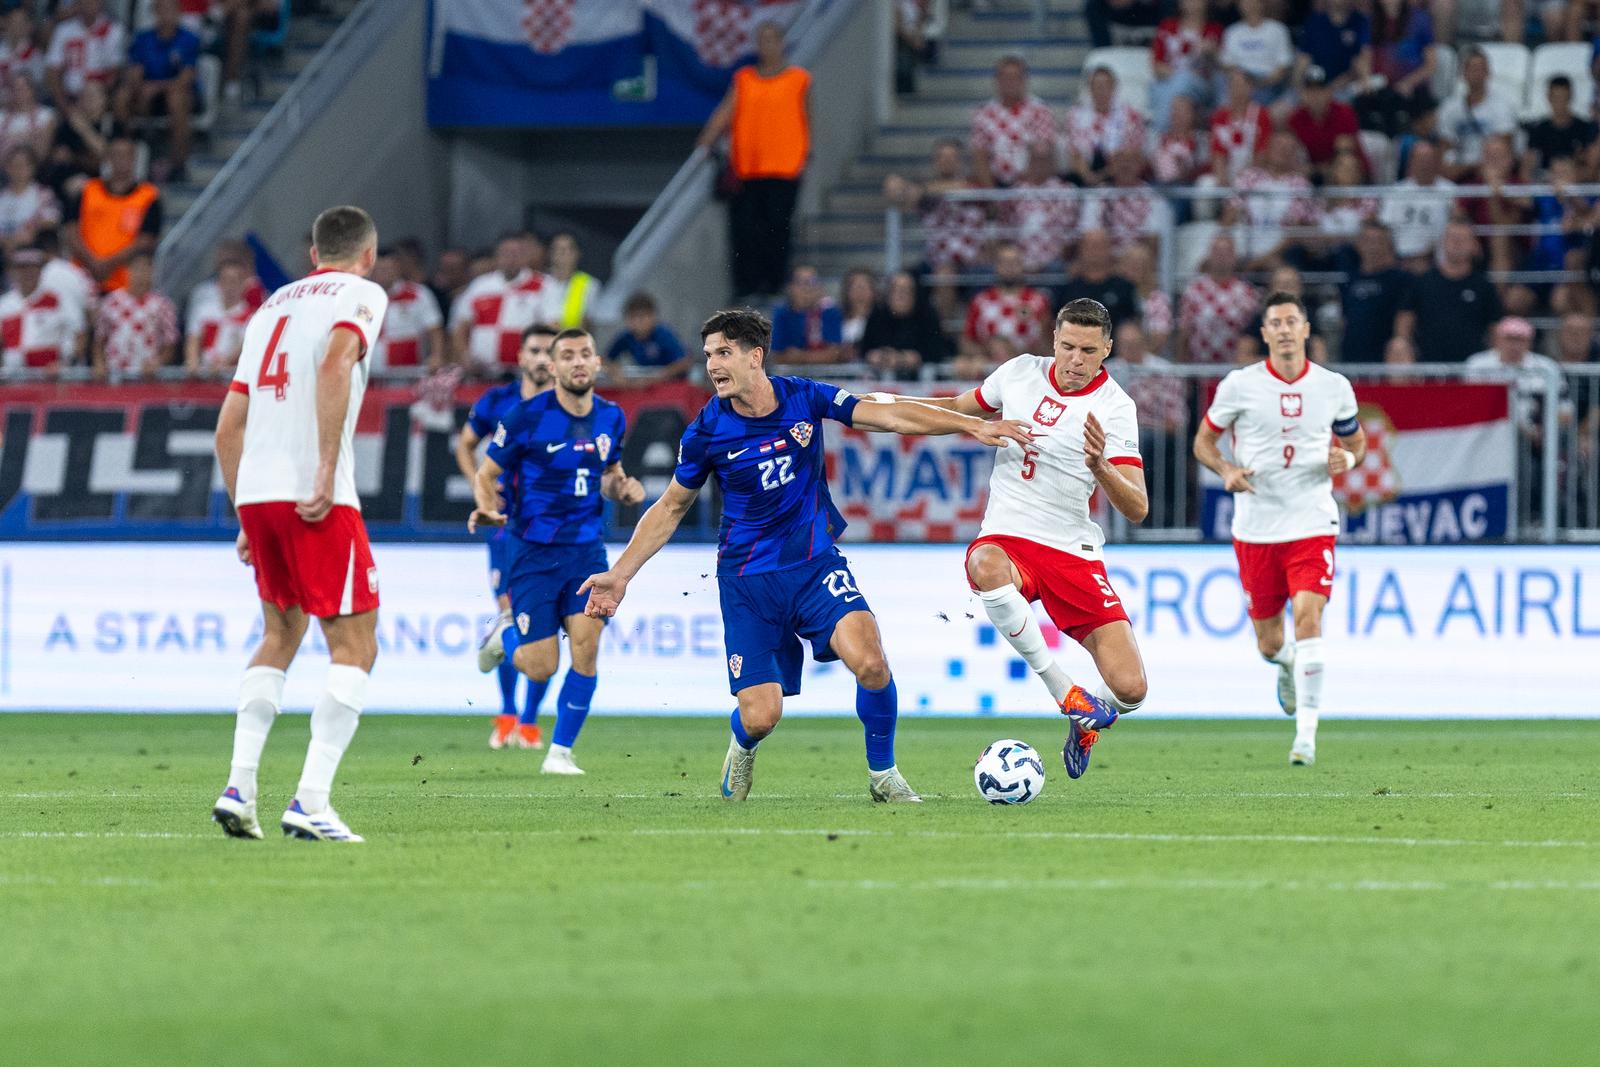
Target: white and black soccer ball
{"points": [[1009, 772]]}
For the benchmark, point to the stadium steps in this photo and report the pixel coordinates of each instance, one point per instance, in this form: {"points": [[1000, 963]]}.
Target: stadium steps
{"points": [[848, 230], [307, 34]]}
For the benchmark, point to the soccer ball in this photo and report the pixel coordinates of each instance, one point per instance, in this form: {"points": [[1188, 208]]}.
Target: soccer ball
{"points": [[1009, 772]]}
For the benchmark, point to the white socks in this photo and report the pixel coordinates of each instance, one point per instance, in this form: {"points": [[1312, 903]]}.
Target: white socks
{"points": [[333, 724], [1284, 656], [1013, 617], [1123, 708], [1308, 664], [260, 697]]}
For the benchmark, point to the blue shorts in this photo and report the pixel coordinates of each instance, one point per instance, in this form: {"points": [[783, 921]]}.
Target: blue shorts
{"points": [[498, 573], [766, 616], [543, 583]]}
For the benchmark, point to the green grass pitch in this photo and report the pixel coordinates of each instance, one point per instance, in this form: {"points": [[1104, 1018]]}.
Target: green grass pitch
{"points": [[1428, 893]]}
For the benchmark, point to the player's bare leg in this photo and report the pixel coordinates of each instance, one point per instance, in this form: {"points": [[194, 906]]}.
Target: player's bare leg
{"points": [[999, 587], [859, 646], [760, 708], [260, 697], [352, 648], [577, 689], [1308, 674], [1280, 653]]}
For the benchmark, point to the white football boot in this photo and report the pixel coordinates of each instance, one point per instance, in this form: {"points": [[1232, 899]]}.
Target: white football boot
{"points": [[559, 761], [738, 771], [323, 826], [491, 653], [891, 787], [236, 816], [1303, 754]]}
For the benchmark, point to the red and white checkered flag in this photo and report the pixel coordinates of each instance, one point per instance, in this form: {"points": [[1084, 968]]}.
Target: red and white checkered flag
{"points": [[1375, 480], [548, 24]]}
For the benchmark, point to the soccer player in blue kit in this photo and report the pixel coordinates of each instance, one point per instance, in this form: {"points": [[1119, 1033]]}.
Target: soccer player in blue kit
{"points": [[533, 360], [563, 451], [781, 577]]}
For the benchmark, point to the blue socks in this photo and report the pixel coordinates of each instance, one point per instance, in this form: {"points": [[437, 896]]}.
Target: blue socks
{"points": [[739, 735], [510, 640], [508, 688], [572, 707], [877, 710], [530, 711]]}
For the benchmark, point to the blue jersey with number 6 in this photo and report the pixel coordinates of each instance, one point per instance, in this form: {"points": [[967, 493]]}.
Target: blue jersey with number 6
{"points": [[554, 460], [776, 510]]}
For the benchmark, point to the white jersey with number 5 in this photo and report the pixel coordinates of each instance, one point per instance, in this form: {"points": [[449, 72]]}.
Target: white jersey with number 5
{"points": [[1283, 430], [1042, 493], [284, 344]]}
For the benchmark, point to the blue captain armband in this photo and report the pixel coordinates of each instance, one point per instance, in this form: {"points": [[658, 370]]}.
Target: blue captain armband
{"points": [[1346, 427]]}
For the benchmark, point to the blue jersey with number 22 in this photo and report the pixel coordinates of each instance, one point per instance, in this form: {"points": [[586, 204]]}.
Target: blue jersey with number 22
{"points": [[776, 511]]}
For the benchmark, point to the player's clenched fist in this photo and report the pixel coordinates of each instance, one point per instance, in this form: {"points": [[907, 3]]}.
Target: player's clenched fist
{"points": [[241, 545], [606, 591], [1237, 480]]}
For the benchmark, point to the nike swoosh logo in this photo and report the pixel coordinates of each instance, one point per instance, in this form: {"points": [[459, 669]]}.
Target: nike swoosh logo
{"points": [[555, 448], [727, 790], [1107, 603], [850, 598], [1326, 581], [1023, 627], [736, 455]]}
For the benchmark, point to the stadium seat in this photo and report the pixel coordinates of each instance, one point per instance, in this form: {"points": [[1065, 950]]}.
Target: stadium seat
{"points": [[1571, 59], [1508, 71], [1381, 154], [209, 71], [1133, 70], [1192, 240], [1444, 72]]}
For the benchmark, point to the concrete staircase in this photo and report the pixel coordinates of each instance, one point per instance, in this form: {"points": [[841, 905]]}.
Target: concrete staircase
{"points": [[849, 230], [274, 74]]}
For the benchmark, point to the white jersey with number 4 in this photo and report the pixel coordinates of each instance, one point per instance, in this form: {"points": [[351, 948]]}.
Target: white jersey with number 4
{"points": [[284, 345], [1042, 493], [1283, 430]]}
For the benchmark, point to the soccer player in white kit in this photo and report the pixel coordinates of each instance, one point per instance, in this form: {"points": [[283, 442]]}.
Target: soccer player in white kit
{"points": [[1282, 415], [284, 442], [1037, 541]]}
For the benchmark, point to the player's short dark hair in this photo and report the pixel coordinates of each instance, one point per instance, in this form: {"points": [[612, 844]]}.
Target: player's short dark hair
{"points": [[1560, 81], [1283, 296], [640, 304], [745, 327], [340, 233], [539, 329], [569, 334], [1084, 312]]}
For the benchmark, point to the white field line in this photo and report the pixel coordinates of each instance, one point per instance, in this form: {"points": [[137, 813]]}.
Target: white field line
{"points": [[167, 795], [1185, 885]]}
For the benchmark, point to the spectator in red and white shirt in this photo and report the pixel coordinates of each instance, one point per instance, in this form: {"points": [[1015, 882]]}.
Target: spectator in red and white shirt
{"points": [[75, 286], [1277, 194], [26, 207], [952, 230], [25, 122], [1138, 264], [413, 329], [1178, 156], [1135, 211], [1100, 126], [1184, 58], [1042, 225], [37, 330], [1009, 316], [217, 319], [89, 46], [487, 319], [1239, 128], [232, 250], [1216, 306], [1005, 130], [136, 332], [19, 49]]}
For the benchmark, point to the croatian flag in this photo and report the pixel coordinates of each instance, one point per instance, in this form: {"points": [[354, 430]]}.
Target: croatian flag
{"points": [[1439, 469], [544, 63]]}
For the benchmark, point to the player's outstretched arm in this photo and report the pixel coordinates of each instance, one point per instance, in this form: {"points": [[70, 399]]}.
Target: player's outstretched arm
{"points": [[912, 417], [1123, 484], [1235, 479], [486, 495], [965, 404], [333, 404], [655, 529]]}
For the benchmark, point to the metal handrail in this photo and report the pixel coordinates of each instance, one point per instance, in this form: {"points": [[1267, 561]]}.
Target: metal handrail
{"points": [[223, 199], [1222, 192]]}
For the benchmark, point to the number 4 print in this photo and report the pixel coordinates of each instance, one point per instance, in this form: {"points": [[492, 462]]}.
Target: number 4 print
{"points": [[275, 377]]}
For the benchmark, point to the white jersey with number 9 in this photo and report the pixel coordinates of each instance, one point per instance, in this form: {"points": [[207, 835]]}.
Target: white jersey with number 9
{"points": [[284, 345]]}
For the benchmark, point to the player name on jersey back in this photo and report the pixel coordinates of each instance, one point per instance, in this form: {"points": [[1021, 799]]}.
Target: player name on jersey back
{"points": [[1042, 492], [1283, 430], [284, 345]]}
